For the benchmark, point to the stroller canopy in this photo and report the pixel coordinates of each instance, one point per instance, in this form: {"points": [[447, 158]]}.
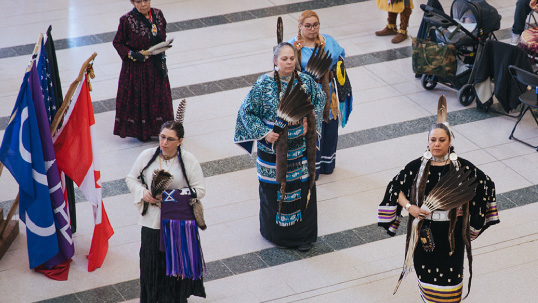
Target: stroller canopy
{"points": [[477, 11]]}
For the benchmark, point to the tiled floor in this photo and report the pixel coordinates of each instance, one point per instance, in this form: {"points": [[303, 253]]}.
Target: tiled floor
{"points": [[220, 49]]}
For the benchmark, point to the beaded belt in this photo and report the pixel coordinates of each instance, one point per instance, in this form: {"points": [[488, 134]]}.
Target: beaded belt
{"points": [[438, 215]]}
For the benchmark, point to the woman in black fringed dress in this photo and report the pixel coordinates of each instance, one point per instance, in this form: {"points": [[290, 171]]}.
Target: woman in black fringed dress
{"points": [[144, 99], [437, 263]]}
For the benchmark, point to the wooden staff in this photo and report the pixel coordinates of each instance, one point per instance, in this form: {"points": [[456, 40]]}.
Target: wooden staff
{"points": [[67, 99]]}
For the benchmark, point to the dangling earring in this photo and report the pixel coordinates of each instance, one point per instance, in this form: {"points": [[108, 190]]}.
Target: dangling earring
{"points": [[428, 154], [453, 157]]}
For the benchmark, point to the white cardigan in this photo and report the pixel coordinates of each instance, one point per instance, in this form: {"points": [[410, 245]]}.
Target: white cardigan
{"points": [[152, 218]]}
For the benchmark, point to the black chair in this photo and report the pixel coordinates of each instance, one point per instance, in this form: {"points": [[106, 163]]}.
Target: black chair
{"points": [[528, 98]]}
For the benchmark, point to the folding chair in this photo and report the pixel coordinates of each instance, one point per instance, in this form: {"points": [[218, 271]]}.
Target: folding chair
{"points": [[528, 98]]}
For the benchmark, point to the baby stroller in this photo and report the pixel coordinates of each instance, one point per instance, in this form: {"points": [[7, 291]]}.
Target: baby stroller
{"points": [[470, 24]]}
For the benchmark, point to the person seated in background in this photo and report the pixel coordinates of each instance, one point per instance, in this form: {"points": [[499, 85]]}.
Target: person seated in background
{"points": [[523, 8]]}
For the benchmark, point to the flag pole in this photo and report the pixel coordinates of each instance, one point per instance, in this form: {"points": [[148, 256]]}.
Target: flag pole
{"points": [[35, 52], [67, 99]]}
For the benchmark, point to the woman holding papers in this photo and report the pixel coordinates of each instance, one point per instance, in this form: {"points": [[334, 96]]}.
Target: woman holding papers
{"points": [[144, 99]]}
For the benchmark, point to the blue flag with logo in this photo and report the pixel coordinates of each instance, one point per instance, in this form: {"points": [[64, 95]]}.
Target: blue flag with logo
{"points": [[61, 214], [22, 154]]}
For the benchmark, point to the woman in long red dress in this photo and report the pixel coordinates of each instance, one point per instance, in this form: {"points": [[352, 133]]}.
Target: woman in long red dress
{"points": [[144, 99]]}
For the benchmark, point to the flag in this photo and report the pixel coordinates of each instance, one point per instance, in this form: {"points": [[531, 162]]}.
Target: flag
{"points": [[67, 184], [56, 268], [53, 69], [43, 71], [22, 154], [77, 158]]}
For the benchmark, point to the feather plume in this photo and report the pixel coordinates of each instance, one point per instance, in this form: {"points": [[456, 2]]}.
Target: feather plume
{"points": [[180, 112], [441, 110], [319, 63], [279, 30], [453, 190]]}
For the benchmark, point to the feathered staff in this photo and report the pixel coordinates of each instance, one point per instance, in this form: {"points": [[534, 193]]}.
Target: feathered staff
{"points": [[319, 63], [453, 190], [160, 181], [294, 106], [318, 68]]}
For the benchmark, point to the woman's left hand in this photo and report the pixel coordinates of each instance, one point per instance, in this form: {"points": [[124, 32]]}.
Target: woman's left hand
{"points": [[418, 212]]}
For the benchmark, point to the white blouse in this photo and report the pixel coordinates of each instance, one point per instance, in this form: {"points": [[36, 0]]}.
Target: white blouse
{"points": [[152, 218]]}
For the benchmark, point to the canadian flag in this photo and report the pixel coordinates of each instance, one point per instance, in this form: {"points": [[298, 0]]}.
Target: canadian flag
{"points": [[76, 156]]}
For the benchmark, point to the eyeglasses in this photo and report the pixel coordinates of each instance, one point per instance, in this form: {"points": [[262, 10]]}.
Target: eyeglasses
{"points": [[311, 26], [170, 139], [140, 1]]}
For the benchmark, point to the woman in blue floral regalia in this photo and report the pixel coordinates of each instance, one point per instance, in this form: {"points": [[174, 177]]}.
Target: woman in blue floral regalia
{"points": [[294, 222]]}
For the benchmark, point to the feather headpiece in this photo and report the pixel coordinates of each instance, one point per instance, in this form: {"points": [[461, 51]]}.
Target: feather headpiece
{"points": [[453, 190], [279, 31], [319, 63], [442, 113], [295, 105], [180, 112]]}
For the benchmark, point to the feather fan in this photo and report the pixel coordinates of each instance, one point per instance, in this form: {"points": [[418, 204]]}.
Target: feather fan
{"points": [[180, 112], [158, 48], [319, 63], [453, 190], [295, 105], [160, 181]]}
